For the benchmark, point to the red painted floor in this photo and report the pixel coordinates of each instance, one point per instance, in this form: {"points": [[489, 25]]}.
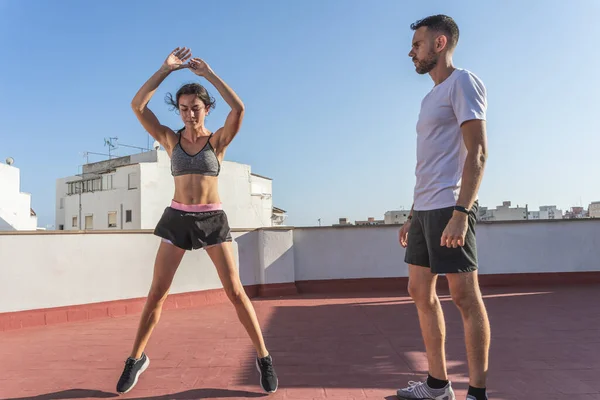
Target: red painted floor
{"points": [[546, 345]]}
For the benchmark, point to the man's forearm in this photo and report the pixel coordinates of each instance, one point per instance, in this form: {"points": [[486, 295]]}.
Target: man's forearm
{"points": [[471, 179]]}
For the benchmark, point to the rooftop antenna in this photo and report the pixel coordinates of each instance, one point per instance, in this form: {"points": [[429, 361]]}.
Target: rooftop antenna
{"points": [[10, 161], [109, 142]]}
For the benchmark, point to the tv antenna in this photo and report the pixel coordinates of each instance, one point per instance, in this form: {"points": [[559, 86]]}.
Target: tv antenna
{"points": [[10, 161], [109, 142]]}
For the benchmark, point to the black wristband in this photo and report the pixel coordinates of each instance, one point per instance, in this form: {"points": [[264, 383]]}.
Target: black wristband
{"points": [[461, 209]]}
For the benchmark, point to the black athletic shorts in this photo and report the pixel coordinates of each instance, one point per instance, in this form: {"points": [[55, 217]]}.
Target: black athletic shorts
{"points": [[193, 230], [424, 247]]}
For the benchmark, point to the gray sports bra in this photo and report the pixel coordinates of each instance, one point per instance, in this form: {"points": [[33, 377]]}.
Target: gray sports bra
{"points": [[204, 162]]}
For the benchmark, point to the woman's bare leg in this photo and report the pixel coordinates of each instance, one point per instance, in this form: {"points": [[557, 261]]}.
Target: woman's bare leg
{"points": [[167, 261], [222, 257]]}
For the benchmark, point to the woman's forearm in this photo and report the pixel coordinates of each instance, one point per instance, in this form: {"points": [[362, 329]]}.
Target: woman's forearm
{"points": [[225, 91], [143, 96]]}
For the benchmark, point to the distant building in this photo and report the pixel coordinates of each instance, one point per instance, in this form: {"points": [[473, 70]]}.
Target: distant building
{"points": [[576, 213], [132, 192], [507, 213], [594, 209], [546, 212], [396, 217], [503, 213], [343, 222], [278, 217], [370, 221], [16, 213]]}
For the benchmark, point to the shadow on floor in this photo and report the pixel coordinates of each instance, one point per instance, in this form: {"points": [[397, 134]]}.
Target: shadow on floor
{"points": [[206, 393], [70, 394]]}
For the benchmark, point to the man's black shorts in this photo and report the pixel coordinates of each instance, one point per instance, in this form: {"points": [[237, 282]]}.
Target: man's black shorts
{"points": [[424, 238]]}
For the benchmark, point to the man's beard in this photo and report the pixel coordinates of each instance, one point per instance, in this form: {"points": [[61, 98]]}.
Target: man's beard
{"points": [[426, 65]]}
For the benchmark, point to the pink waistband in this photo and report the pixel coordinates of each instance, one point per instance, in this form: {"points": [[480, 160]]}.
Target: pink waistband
{"points": [[196, 207]]}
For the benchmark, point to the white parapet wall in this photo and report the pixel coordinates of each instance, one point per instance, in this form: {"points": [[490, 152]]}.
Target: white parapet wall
{"points": [[55, 270], [44, 270], [503, 248]]}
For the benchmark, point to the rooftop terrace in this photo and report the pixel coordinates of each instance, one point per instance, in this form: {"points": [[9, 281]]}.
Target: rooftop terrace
{"points": [[336, 316]]}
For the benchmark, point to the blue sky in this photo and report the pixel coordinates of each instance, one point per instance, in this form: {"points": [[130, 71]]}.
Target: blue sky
{"points": [[331, 95]]}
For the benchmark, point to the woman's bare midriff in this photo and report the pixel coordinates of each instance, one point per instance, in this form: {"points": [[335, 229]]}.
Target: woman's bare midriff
{"points": [[196, 189]]}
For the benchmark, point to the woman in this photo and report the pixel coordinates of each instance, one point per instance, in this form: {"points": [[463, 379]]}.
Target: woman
{"points": [[195, 218]]}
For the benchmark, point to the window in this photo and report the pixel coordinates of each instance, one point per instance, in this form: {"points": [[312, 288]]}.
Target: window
{"points": [[133, 180], [104, 182], [61, 227], [112, 219], [74, 222], [89, 222], [128, 216], [62, 203], [107, 182], [84, 186]]}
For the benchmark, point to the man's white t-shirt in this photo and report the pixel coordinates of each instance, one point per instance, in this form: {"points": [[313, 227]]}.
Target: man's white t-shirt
{"points": [[441, 151]]}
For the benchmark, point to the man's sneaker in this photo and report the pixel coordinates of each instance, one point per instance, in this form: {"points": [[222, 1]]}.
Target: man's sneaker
{"points": [[420, 391], [131, 373], [470, 397], [268, 377]]}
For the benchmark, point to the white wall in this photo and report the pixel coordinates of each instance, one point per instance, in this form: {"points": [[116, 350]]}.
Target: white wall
{"points": [[157, 189], [276, 256], [348, 252], [261, 190], [68, 269], [235, 188], [79, 268], [553, 246], [59, 211], [15, 206], [99, 203]]}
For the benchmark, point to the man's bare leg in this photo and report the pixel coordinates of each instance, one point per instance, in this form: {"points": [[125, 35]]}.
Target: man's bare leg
{"points": [[464, 288], [421, 286]]}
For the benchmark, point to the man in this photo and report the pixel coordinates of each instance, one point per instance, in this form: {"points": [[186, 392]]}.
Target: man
{"points": [[439, 236]]}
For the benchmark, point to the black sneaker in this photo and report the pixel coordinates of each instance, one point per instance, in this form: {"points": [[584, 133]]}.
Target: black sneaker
{"points": [[268, 377], [131, 373]]}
